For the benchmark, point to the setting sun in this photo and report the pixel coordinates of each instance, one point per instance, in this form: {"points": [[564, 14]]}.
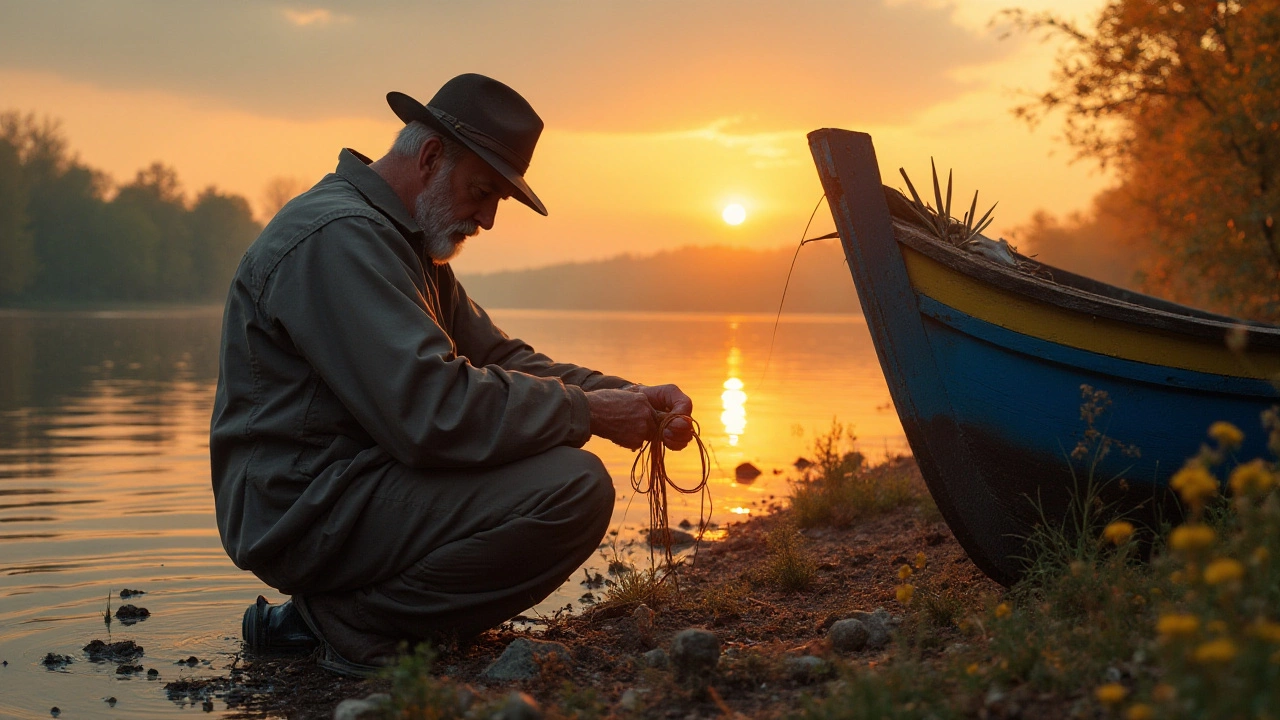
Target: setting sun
{"points": [[734, 214]]}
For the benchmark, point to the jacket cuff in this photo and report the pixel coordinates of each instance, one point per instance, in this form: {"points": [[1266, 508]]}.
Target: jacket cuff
{"points": [[579, 416]]}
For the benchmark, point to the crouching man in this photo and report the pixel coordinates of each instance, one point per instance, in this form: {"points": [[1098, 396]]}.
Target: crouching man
{"points": [[382, 452]]}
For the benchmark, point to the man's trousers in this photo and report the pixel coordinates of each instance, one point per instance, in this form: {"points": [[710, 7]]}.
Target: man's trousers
{"points": [[474, 547]]}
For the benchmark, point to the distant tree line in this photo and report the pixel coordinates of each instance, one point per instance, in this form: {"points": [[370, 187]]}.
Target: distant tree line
{"points": [[67, 233]]}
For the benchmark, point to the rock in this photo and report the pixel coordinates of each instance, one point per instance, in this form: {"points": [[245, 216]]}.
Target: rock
{"points": [[630, 700], [848, 635], [130, 614], [657, 658], [54, 661], [694, 655], [522, 659], [127, 669], [746, 472], [118, 652], [153, 673], [55, 711], [207, 705], [802, 464], [519, 707], [642, 616], [879, 624], [357, 708], [126, 593], [807, 668], [189, 662], [674, 538], [111, 701], [685, 524]]}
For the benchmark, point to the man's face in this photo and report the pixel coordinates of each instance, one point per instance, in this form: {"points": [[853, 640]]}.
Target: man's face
{"points": [[460, 199]]}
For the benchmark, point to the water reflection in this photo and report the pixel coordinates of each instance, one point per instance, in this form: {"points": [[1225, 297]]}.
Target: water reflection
{"points": [[104, 468], [733, 400]]}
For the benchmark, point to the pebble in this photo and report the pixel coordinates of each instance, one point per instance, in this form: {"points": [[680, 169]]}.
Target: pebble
{"points": [[111, 701], [848, 635], [356, 708], [207, 706], [55, 711], [129, 614], [520, 707], [126, 593], [117, 651], [127, 669], [694, 655], [879, 624], [54, 661], [657, 658], [671, 537], [153, 673], [630, 700], [643, 616], [808, 668], [520, 661]]}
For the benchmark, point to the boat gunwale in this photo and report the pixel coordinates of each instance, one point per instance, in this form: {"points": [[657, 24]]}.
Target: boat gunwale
{"points": [[1200, 325]]}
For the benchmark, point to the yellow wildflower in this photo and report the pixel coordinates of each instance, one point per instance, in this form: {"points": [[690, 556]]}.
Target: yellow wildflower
{"points": [[920, 561], [1252, 478], [1177, 625], [972, 669], [904, 572], [1194, 484], [904, 593], [1139, 711], [1223, 570], [1193, 536], [1111, 693], [1227, 435], [1118, 532], [1267, 630], [1164, 692], [1003, 610], [1216, 651]]}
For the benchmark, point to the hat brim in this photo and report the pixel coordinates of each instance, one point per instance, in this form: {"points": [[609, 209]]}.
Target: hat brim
{"points": [[409, 110]]}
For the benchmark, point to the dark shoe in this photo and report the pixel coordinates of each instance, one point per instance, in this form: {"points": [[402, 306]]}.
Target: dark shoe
{"points": [[276, 629]]}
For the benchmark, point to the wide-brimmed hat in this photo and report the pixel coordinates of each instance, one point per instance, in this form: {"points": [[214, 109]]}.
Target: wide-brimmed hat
{"points": [[489, 118]]}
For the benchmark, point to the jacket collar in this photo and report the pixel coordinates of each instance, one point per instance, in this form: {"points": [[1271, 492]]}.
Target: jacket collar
{"points": [[354, 168]]}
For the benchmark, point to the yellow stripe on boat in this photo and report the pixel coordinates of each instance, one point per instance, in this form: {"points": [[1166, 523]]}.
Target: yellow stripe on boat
{"points": [[1079, 330]]}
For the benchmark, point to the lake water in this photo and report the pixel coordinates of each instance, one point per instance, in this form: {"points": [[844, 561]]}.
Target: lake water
{"points": [[104, 470]]}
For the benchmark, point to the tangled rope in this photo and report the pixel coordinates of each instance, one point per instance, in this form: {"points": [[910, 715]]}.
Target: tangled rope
{"points": [[649, 477]]}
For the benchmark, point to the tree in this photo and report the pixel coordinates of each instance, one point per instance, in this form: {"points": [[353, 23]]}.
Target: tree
{"points": [[222, 226], [1183, 99], [17, 251], [278, 191]]}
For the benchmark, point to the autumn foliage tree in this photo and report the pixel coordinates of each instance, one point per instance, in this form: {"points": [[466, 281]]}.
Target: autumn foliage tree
{"points": [[1183, 100]]}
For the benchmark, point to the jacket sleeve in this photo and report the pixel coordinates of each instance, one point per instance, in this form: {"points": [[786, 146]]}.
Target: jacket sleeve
{"points": [[482, 341], [350, 297]]}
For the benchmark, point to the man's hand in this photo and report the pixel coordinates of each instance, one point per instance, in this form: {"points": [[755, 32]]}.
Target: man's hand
{"points": [[670, 399], [623, 416]]}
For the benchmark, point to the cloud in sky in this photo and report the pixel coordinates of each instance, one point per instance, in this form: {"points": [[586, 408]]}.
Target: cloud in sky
{"points": [[306, 17], [654, 65]]}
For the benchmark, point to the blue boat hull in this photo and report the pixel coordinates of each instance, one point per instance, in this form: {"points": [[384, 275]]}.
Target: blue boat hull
{"points": [[986, 369]]}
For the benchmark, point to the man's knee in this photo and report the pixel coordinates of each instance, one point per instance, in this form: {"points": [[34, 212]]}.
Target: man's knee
{"points": [[587, 481]]}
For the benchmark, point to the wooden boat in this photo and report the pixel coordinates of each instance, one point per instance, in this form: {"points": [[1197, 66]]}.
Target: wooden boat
{"points": [[986, 364]]}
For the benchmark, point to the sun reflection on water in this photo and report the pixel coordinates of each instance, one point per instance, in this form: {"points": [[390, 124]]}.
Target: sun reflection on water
{"points": [[733, 400]]}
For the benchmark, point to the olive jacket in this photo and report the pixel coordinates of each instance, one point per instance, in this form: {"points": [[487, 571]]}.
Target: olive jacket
{"points": [[342, 349]]}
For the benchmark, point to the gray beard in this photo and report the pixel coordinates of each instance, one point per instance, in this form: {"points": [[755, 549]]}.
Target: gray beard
{"points": [[432, 210]]}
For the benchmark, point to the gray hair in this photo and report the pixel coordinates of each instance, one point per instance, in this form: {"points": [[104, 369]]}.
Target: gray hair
{"points": [[415, 134]]}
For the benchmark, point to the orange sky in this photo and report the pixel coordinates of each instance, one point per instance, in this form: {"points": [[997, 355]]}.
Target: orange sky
{"points": [[658, 113]]}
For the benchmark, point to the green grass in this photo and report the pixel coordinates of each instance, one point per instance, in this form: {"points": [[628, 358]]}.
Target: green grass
{"points": [[839, 488], [789, 566]]}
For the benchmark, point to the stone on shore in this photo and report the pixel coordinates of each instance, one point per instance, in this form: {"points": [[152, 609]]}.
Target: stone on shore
{"points": [[848, 635], [362, 708], [523, 658], [520, 707], [694, 655]]}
